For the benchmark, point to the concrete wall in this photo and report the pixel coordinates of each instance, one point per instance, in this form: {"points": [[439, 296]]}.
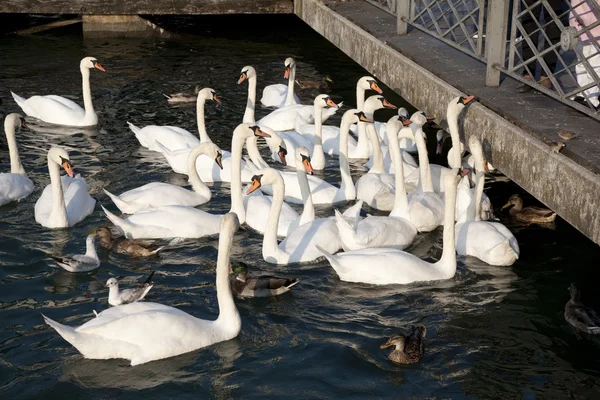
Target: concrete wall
{"points": [[560, 183]]}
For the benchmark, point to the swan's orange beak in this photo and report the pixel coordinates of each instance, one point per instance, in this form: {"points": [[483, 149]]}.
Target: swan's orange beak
{"points": [[281, 154], [98, 66], [286, 74], [331, 103], [258, 132], [255, 185], [243, 77], [218, 160], [387, 104], [468, 99], [486, 167], [464, 172], [215, 98], [375, 87], [364, 118], [68, 168], [307, 166], [406, 122]]}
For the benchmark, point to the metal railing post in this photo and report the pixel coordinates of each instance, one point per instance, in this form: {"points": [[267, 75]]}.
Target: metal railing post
{"points": [[495, 42], [402, 10]]}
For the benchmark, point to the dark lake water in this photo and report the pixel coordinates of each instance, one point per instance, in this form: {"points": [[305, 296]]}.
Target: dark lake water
{"points": [[492, 332]]}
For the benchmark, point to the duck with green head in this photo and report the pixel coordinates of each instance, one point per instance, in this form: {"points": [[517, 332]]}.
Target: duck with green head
{"points": [[243, 285], [408, 348]]}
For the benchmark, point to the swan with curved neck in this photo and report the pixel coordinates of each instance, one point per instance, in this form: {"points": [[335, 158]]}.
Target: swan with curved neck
{"points": [[384, 266], [280, 95], [145, 331], [184, 221], [491, 242], [394, 230], [62, 111], [363, 84], [158, 194], [299, 245], [14, 186], [425, 207], [376, 188], [174, 138], [65, 201]]}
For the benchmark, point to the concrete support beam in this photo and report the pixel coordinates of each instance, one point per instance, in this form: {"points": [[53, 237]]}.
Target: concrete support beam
{"points": [[559, 182], [118, 26]]}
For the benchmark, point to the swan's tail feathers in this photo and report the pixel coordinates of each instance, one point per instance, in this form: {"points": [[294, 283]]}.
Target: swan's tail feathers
{"points": [[134, 128], [502, 254], [67, 332], [353, 213], [18, 99], [121, 205], [124, 225], [332, 261]]}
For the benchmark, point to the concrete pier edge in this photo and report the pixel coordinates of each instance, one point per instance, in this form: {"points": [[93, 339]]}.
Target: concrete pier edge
{"points": [[557, 181]]}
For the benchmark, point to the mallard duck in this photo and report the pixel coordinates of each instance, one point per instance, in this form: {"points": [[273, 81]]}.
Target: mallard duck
{"points": [[183, 97], [409, 348], [124, 246], [582, 317], [528, 214], [81, 262], [260, 286], [309, 84], [116, 298]]}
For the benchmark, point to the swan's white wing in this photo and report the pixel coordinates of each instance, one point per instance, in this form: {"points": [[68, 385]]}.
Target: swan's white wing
{"points": [[54, 109], [300, 243], [66, 102], [174, 221], [14, 187], [78, 201], [258, 208]]}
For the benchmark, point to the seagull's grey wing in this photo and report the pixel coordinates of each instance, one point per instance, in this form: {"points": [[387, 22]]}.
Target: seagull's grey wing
{"points": [[131, 295]]}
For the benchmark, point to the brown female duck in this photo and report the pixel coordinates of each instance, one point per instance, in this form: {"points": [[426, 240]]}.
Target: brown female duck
{"points": [[528, 214], [182, 97], [309, 84], [243, 285], [409, 348], [582, 317], [124, 246]]}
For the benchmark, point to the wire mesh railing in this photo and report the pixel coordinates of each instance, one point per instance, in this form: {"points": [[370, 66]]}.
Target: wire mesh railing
{"points": [[548, 45]]}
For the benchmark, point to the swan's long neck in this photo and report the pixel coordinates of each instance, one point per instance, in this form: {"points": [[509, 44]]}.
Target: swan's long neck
{"points": [[400, 198], [249, 113], [424, 171], [362, 131], [360, 97], [90, 114], [347, 186], [201, 122], [16, 167], [227, 310], [448, 260], [452, 116], [308, 213], [318, 157], [237, 200], [378, 166], [479, 183], [289, 100], [194, 179], [254, 153], [270, 247], [59, 210]]}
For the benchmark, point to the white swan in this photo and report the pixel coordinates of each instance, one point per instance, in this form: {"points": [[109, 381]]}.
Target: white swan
{"points": [[14, 185], [183, 221], [383, 266], [158, 194], [65, 201], [378, 231], [491, 242], [331, 134], [376, 188], [279, 95], [299, 245], [61, 111], [144, 331], [174, 138], [425, 207]]}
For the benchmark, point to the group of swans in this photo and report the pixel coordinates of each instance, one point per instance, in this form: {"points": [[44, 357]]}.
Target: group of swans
{"points": [[420, 197]]}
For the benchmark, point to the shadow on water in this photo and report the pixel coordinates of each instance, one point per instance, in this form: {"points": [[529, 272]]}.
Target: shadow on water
{"points": [[492, 332]]}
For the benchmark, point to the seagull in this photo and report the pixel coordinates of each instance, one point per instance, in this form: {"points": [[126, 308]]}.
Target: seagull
{"points": [[116, 298], [81, 262]]}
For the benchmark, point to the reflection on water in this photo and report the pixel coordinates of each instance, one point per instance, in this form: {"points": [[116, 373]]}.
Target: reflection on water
{"points": [[492, 332]]}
